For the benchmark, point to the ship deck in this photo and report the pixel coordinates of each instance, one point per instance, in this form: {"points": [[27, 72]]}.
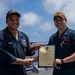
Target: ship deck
{"points": [[41, 71]]}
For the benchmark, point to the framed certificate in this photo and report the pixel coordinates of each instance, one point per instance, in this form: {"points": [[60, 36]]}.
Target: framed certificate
{"points": [[46, 56]]}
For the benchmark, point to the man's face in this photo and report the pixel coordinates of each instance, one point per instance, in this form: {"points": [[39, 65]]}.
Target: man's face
{"points": [[60, 23], [13, 22]]}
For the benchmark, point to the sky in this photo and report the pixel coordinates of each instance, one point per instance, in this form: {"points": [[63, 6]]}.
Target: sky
{"points": [[37, 16]]}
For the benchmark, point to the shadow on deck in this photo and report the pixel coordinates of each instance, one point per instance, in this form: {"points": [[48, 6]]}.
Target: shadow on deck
{"points": [[40, 71]]}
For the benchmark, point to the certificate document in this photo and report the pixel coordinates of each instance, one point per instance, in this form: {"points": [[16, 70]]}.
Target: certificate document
{"points": [[46, 56]]}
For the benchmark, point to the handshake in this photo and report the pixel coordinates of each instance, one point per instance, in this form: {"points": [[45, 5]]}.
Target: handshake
{"points": [[25, 62]]}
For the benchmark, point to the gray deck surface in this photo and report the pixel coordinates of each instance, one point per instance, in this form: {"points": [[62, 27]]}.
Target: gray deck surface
{"points": [[48, 72]]}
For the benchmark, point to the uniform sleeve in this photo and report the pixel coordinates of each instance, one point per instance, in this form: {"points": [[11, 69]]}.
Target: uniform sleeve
{"points": [[29, 50], [49, 41], [5, 56], [73, 41]]}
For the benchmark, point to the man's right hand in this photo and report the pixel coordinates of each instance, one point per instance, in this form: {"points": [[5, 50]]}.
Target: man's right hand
{"points": [[25, 62]]}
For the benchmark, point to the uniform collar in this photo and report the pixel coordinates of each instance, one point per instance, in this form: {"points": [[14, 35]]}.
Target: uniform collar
{"points": [[9, 33], [64, 33], [7, 30]]}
